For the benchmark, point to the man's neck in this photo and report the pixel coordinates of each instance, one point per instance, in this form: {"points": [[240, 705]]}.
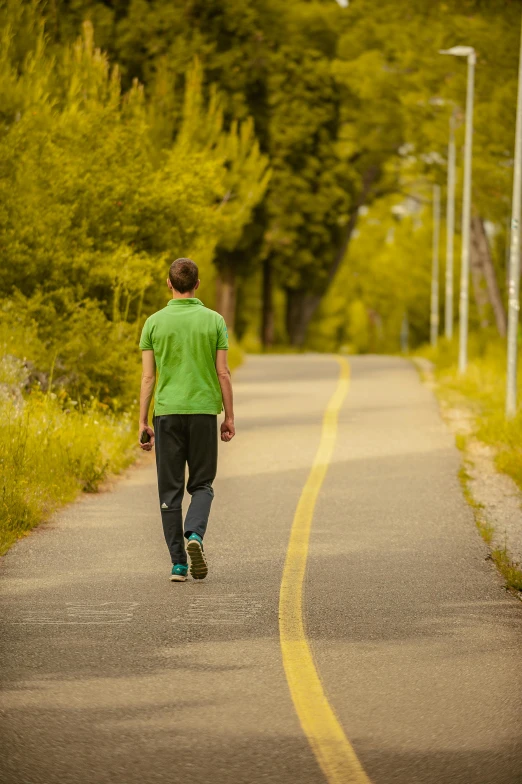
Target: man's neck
{"points": [[185, 295]]}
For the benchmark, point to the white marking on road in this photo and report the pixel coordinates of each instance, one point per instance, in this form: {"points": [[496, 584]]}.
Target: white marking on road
{"points": [[226, 610], [80, 614]]}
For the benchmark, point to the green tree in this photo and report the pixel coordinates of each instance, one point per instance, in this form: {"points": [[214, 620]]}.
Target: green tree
{"points": [[94, 199]]}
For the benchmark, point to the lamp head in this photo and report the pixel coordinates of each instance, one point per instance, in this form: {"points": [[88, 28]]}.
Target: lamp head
{"points": [[458, 51]]}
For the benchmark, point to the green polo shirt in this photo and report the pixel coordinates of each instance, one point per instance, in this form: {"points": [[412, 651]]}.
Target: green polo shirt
{"points": [[185, 337]]}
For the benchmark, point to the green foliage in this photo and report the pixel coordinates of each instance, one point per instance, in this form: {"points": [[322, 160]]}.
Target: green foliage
{"points": [[244, 173], [94, 202], [358, 327], [352, 107], [79, 355], [397, 94], [385, 277], [272, 60], [308, 201]]}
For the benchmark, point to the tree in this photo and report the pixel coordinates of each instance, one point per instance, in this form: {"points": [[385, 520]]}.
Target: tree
{"points": [[399, 95], [350, 105], [94, 199]]}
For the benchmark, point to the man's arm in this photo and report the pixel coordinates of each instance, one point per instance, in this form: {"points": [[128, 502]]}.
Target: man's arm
{"points": [[228, 430], [148, 381]]}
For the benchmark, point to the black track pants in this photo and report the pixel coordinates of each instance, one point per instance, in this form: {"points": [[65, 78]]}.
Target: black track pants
{"points": [[185, 439]]}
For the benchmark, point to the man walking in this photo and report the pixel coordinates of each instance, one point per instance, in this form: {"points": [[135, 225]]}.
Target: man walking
{"points": [[187, 343]]}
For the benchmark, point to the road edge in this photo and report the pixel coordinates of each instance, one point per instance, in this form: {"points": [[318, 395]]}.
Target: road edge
{"points": [[475, 479]]}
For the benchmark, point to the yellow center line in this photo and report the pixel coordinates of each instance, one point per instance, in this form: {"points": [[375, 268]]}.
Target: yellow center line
{"points": [[330, 745]]}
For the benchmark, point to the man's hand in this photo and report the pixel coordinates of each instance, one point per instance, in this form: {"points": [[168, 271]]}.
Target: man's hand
{"points": [[228, 431], [148, 446]]}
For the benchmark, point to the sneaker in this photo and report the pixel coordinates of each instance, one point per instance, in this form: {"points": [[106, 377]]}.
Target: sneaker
{"points": [[179, 573], [198, 562]]}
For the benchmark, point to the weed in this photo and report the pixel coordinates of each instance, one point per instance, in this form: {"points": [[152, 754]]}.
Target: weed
{"points": [[510, 570], [486, 529]]}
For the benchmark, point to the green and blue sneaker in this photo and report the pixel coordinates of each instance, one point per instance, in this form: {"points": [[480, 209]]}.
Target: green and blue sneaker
{"points": [[198, 562], [179, 573]]}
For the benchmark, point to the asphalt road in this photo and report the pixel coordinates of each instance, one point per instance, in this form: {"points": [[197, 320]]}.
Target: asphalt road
{"points": [[113, 674]]}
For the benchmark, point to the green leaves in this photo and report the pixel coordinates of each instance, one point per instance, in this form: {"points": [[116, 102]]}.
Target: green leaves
{"points": [[95, 201], [261, 130]]}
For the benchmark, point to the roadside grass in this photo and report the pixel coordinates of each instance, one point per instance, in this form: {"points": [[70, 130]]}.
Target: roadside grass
{"points": [[485, 528], [481, 392], [48, 455], [510, 571]]}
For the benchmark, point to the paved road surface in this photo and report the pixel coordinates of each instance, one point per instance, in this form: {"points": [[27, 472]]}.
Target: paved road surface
{"points": [[112, 674]]}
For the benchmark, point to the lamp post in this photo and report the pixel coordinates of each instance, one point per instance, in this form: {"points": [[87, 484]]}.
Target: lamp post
{"points": [[450, 231], [514, 260], [469, 53], [434, 309]]}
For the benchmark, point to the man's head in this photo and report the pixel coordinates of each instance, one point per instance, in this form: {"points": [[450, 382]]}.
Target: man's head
{"points": [[183, 276]]}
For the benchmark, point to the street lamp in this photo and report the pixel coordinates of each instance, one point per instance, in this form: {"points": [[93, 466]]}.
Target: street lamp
{"points": [[514, 261], [434, 309], [469, 52], [450, 231]]}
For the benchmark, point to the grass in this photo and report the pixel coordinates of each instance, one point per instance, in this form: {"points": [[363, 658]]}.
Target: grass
{"points": [[486, 530], [481, 391], [509, 569], [48, 456]]}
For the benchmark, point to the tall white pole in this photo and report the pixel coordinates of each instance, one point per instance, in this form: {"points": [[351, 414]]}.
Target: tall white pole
{"points": [[466, 221], [450, 232], [434, 310], [514, 261]]}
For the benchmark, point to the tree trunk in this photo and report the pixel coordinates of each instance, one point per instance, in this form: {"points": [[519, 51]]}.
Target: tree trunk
{"points": [[477, 279], [300, 308], [488, 269], [294, 321], [267, 325], [226, 296]]}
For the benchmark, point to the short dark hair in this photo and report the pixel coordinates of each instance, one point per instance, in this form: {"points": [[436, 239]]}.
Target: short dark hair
{"points": [[183, 274]]}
